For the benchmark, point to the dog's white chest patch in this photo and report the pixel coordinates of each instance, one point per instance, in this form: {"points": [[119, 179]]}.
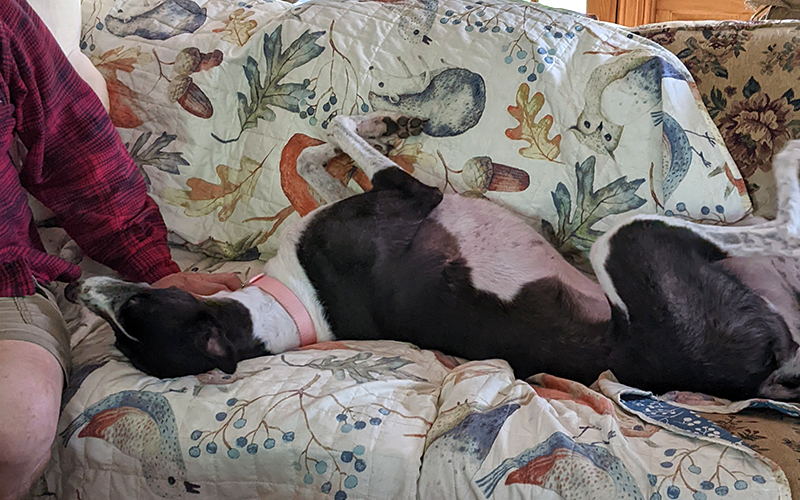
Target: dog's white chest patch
{"points": [[504, 253]]}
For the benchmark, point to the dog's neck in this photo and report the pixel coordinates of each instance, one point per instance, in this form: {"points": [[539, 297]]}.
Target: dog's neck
{"points": [[272, 325]]}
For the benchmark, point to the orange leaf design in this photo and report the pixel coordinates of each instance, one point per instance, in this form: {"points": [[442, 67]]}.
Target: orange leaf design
{"points": [[205, 197], [409, 156], [529, 130], [238, 28], [121, 59], [122, 100]]}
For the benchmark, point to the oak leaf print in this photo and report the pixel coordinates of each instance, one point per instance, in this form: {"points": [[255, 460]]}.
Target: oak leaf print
{"points": [[575, 225], [529, 130], [122, 100], [155, 156], [409, 156], [238, 29], [362, 367], [204, 197], [267, 92]]}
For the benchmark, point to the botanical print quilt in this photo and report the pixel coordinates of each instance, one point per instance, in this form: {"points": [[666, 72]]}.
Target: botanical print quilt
{"points": [[568, 121], [365, 420]]}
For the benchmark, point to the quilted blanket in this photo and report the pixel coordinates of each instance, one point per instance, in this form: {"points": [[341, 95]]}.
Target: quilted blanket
{"points": [[216, 99]]}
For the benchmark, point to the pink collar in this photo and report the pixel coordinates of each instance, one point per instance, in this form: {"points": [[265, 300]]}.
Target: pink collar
{"points": [[290, 302]]}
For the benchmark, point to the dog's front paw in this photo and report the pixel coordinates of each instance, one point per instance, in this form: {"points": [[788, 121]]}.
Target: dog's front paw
{"points": [[388, 125]]}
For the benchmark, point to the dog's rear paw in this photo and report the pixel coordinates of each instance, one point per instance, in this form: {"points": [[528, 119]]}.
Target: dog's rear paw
{"points": [[784, 383]]}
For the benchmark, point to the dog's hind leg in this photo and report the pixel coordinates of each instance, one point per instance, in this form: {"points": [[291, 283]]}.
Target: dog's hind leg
{"points": [[777, 238], [365, 139], [684, 321], [362, 136], [780, 237], [311, 167]]}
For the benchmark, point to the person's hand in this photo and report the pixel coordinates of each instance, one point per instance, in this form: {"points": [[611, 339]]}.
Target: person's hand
{"points": [[201, 283]]}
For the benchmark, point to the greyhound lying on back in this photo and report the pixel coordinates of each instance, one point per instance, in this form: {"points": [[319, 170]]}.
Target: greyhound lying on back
{"points": [[679, 306]]}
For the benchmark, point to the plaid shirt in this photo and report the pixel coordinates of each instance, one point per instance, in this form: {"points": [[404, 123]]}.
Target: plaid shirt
{"points": [[76, 165]]}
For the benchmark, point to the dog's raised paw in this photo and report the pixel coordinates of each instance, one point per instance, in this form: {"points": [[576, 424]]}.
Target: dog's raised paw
{"points": [[387, 125], [404, 126]]}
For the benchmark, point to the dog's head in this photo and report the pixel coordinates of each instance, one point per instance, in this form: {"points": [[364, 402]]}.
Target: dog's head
{"points": [[164, 332]]}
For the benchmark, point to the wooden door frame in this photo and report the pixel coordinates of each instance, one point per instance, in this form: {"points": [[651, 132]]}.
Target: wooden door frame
{"points": [[624, 12], [605, 10], [635, 12], [629, 12]]}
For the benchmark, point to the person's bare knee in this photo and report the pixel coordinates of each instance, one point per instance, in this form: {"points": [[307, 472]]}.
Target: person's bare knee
{"points": [[30, 392]]}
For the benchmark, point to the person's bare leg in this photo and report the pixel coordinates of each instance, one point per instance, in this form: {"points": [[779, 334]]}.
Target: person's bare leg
{"points": [[31, 380]]}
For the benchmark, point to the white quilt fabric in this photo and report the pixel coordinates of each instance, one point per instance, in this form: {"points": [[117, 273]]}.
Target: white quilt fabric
{"points": [[554, 115], [508, 88]]}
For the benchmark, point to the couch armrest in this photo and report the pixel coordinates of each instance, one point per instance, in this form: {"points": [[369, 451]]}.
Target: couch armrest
{"points": [[747, 74]]}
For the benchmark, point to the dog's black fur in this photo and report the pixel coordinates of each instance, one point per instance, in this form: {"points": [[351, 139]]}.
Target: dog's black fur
{"points": [[692, 324], [383, 270], [217, 333], [391, 274]]}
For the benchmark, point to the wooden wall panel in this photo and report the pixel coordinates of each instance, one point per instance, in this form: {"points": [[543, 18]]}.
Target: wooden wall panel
{"points": [[605, 10], [636, 12], [700, 10]]}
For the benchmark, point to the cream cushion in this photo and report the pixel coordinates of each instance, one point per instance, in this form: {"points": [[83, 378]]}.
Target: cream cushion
{"points": [[63, 18]]}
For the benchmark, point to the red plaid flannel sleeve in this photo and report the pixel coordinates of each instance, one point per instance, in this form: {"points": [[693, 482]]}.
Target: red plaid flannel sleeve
{"points": [[76, 163]]}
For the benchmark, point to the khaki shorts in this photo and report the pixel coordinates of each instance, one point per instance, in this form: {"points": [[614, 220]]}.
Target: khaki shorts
{"points": [[36, 319]]}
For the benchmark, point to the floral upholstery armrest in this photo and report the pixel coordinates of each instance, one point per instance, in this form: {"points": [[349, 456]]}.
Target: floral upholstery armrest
{"points": [[748, 74]]}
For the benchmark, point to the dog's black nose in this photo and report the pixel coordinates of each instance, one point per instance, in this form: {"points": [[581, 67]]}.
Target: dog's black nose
{"points": [[71, 292]]}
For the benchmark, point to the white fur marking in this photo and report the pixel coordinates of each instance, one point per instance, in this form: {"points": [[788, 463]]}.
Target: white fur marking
{"points": [[286, 268], [272, 325], [345, 133], [523, 257], [598, 255], [311, 167]]}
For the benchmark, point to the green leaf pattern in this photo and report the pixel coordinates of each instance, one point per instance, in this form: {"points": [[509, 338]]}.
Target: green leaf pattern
{"points": [[269, 93], [576, 228], [362, 367]]}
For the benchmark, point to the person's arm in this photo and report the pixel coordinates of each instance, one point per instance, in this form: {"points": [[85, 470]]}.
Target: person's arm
{"points": [[76, 163]]}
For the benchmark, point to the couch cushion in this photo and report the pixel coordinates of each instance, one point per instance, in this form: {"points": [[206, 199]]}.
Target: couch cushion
{"points": [[748, 75], [63, 19], [215, 100]]}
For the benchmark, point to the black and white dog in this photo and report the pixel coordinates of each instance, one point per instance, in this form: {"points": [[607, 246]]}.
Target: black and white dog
{"points": [[679, 306]]}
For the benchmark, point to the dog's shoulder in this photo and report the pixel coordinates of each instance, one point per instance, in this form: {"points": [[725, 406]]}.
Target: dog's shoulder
{"points": [[286, 268]]}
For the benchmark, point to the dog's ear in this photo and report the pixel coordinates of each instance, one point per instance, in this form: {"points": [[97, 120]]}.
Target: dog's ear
{"points": [[221, 351], [217, 347]]}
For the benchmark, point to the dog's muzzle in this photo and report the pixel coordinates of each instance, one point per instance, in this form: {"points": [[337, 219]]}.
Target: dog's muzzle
{"points": [[104, 296]]}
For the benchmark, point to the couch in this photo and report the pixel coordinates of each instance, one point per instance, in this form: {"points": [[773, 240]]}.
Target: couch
{"points": [[216, 99]]}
